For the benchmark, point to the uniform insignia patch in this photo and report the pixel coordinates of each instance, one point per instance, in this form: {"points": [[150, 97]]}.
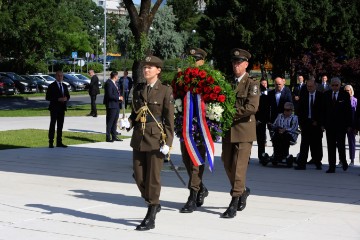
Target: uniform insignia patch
{"points": [[255, 90]]}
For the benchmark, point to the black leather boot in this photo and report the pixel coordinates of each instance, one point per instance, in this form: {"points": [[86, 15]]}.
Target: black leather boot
{"points": [[242, 199], [202, 194], [190, 205], [149, 220], [231, 210]]}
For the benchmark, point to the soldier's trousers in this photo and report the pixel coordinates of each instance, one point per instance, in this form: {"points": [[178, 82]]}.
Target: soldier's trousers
{"points": [[235, 157], [195, 172], [147, 168]]}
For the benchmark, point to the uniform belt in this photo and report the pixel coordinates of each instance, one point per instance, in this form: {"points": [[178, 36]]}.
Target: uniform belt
{"points": [[149, 119]]}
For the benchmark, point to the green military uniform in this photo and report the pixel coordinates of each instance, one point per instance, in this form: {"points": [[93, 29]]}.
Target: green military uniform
{"points": [[237, 142], [146, 138]]}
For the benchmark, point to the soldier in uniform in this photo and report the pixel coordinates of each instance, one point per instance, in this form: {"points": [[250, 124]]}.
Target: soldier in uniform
{"points": [[237, 142], [152, 118], [198, 191]]}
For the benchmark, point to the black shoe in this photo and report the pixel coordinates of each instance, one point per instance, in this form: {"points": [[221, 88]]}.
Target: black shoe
{"points": [[345, 166], [231, 210], [51, 145], [109, 140], [311, 162], [95, 115], [202, 194], [149, 220], [318, 166], [190, 205], [117, 133], [61, 145], [90, 114], [300, 167], [242, 199], [117, 139]]}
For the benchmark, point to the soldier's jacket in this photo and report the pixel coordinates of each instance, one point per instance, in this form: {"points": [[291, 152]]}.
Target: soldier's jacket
{"points": [[243, 128], [161, 103]]}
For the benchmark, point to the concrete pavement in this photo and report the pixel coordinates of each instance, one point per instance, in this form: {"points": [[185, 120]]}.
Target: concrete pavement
{"points": [[87, 192]]}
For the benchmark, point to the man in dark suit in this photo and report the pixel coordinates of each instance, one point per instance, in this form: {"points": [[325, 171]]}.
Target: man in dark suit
{"points": [[237, 142], [262, 117], [58, 95], [93, 91], [337, 120], [324, 86], [310, 120], [111, 101], [278, 97], [125, 84], [298, 88]]}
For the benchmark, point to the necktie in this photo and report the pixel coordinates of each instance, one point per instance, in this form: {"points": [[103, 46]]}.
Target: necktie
{"points": [[148, 89], [311, 105], [61, 89], [334, 97]]}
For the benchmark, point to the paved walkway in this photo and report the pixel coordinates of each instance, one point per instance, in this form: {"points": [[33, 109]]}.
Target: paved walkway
{"points": [[87, 192]]}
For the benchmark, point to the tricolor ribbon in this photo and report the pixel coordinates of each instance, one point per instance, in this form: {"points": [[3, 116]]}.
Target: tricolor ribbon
{"points": [[199, 109]]}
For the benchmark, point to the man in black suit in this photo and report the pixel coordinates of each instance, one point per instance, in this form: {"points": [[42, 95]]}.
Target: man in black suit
{"points": [[262, 117], [93, 91], [324, 86], [337, 119], [298, 88], [58, 95], [278, 97], [111, 101], [310, 117], [125, 84]]}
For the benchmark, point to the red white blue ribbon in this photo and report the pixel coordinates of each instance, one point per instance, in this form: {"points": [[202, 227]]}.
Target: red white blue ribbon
{"points": [[199, 108]]}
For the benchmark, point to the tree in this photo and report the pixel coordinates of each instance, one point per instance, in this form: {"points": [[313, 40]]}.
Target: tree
{"points": [[140, 22]]}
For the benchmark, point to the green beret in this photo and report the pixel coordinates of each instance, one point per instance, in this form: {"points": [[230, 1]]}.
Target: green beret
{"points": [[197, 53], [152, 60], [241, 55]]}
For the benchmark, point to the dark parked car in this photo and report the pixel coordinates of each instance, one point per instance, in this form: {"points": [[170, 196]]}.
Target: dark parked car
{"points": [[42, 85], [7, 87], [22, 85], [75, 83]]}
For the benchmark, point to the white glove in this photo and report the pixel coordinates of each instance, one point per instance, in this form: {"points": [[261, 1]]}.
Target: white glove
{"points": [[122, 123], [165, 149], [126, 123]]}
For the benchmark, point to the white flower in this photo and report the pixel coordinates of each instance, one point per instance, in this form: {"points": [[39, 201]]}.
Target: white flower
{"points": [[178, 102], [214, 111]]}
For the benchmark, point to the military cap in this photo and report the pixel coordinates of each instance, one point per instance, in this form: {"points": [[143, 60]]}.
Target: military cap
{"points": [[238, 54], [153, 60], [197, 53]]}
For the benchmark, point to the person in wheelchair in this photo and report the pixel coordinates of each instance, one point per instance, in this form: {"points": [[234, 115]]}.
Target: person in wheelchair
{"points": [[284, 132]]}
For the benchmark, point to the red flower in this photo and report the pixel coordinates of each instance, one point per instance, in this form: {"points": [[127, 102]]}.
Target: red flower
{"points": [[187, 79], [202, 74], [202, 83], [213, 96], [206, 97], [207, 89], [217, 89], [221, 98], [210, 80], [198, 90], [187, 71], [186, 88], [191, 89], [179, 74], [195, 72]]}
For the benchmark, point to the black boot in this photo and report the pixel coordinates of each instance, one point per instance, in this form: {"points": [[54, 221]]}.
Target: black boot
{"points": [[149, 220], [242, 199], [190, 205], [202, 194], [231, 210]]}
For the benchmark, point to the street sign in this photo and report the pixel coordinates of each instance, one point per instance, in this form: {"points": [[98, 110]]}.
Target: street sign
{"points": [[74, 54], [87, 54], [81, 63]]}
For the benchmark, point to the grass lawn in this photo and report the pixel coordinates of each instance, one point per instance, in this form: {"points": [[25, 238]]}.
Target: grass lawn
{"points": [[32, 138], [30, 95], [73, 111]]}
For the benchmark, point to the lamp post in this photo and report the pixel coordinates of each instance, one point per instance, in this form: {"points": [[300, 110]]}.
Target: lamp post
{"points": [[104, 62], [97, 42]]}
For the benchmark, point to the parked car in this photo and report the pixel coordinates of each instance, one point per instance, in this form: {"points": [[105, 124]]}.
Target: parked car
{"points": [[22, 85], [83, 77], [7, 87], [49, 79], [75, 83], [41, 83]]}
